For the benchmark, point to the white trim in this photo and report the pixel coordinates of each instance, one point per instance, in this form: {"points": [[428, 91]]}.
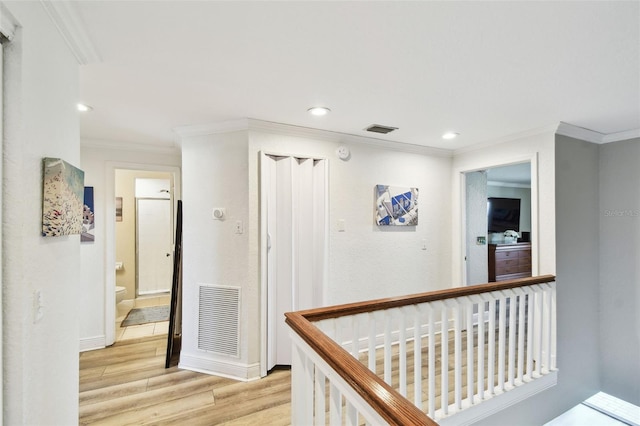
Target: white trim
{"points": [[222, 368], [507, 138], [535, 240], [70, 26], [92, 343], [7, 23], [471, 415], [196, 130], [581, 133], [263, 269], [247, 124], [592, 136], [621, 136], [128, 146]]}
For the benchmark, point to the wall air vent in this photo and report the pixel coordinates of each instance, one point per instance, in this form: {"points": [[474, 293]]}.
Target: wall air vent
{"points": [[219, 319], [377, 128]]}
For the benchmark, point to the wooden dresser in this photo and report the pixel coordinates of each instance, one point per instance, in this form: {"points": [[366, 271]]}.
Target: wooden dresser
{"points": [[509, 261]]}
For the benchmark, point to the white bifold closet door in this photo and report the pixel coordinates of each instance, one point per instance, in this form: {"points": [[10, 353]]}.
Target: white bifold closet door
{"points": [[296, 222]]}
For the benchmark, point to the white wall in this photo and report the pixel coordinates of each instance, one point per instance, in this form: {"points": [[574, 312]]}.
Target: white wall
{"points": [[619, 269], [40, 358], [215, 175], [365, 262], [537, 147], [97, 163]]}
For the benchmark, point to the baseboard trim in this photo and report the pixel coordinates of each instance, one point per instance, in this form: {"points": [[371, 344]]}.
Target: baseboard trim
{"points": [[93, 343], [222, 368]]}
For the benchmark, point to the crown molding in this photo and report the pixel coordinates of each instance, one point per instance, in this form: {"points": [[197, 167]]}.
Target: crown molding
{"points": [[250, 124], [588, 135], [621, 136], [581, 133], [128, 146], [7, 23], [192, 131], [70, 26], [549, 129]]}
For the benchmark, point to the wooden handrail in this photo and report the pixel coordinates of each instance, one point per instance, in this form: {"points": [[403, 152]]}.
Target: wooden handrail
{"points": [[336, 311], [391, 406]]}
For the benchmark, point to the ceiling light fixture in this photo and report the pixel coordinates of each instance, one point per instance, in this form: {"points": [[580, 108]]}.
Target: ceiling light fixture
{"points": [[319, 111], [83, 107], [450, 135]]}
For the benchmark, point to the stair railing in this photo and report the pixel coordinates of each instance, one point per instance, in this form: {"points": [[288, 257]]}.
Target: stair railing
{"points": [[381, 361]]}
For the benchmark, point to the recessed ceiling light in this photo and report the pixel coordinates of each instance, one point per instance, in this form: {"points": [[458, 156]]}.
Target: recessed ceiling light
{"points": [[319, 111], [84, 107], [450, 135]]}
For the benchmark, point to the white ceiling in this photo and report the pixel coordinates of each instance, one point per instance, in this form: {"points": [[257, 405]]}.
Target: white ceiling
{"points": [[483, 69]]}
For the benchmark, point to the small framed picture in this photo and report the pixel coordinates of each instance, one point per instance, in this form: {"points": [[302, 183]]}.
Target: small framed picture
{"points": [[118, 209]]}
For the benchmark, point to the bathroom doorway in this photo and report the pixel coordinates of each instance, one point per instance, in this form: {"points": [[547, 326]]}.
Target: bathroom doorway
{"points": [[144, 230]]}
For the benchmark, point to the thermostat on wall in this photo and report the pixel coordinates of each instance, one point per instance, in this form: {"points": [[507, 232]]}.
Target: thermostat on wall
{"points": [[218, 213]]}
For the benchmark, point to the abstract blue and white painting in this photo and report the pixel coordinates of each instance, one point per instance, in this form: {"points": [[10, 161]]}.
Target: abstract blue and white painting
{"points": [[62, 198], [396, 206]]}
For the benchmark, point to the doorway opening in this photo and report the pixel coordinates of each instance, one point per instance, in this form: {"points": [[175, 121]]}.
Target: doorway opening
{"points": [[142, 249], [499, 201]]}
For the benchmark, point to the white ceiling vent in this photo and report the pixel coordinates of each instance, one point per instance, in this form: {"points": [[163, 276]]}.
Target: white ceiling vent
{"points": [[219, 319], [377, 128]]}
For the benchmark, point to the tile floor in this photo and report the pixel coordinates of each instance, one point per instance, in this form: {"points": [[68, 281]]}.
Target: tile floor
{"points": [[143, 330]]}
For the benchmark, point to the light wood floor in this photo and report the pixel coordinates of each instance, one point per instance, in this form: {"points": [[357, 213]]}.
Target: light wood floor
{"points": [[127, 384]]}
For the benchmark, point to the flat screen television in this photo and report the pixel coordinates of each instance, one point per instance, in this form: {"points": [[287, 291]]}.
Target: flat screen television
{"points": [[503, 214]]}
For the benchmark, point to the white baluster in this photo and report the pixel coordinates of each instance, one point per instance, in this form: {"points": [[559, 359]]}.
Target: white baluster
{"points": [[457, 367], [491, 359], [537, 331], [417, 356], [513, 309], [335, 404], [444, 361], [355, 339], [387, 347], [372, 341], [403, 353], [352, 414], [431, 322], [481, 357], [530, 322], [521, 308], [320, 398], [546, 330], [470, 338], [501, 340]]}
